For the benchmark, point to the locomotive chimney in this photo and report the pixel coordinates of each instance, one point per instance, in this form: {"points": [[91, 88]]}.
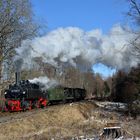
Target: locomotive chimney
{"points": [[17, 77]]}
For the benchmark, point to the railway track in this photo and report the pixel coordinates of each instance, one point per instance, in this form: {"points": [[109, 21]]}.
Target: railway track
{"points": [[13, 116], [10, 117]]}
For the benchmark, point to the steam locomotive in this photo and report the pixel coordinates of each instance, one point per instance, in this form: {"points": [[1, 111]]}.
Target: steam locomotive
{"points": [[24, 95]]}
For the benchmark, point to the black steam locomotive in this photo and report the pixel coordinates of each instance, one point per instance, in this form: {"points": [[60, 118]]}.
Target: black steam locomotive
{"points": [[24, 95]]}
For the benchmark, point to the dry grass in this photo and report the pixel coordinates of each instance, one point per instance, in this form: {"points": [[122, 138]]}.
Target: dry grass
{"points": [[62, 121], [59, 120]]}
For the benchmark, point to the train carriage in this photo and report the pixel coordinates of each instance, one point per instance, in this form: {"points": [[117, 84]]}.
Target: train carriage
{"points": [[55, 95], [65, 94]]}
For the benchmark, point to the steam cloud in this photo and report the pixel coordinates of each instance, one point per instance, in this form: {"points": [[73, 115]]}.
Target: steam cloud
{"points": [[44, 82], [73, 46]]}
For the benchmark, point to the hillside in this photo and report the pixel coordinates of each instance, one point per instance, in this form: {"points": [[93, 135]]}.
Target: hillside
{"points": [[66, 121]]}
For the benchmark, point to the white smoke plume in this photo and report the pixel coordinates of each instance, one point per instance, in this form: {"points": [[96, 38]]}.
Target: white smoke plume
{"points": [[44, 82], [73, 46]]}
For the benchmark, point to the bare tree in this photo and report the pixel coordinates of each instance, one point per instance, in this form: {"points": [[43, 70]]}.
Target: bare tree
{"points": [[134, 11], [134, 14], [16, 24]]}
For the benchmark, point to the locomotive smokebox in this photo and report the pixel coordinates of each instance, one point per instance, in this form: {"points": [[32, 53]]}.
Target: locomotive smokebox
{"points": [[17, 77]]}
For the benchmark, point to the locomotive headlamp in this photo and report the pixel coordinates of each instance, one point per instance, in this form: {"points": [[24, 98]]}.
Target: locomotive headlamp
{"points": [[24, 92], [5, 92]]}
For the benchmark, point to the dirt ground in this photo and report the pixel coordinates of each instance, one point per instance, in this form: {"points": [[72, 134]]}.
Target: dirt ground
{"points": [[66, 121]]}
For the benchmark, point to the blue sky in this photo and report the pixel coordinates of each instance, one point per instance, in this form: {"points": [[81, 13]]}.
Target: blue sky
{"points": [[85, 14]]}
